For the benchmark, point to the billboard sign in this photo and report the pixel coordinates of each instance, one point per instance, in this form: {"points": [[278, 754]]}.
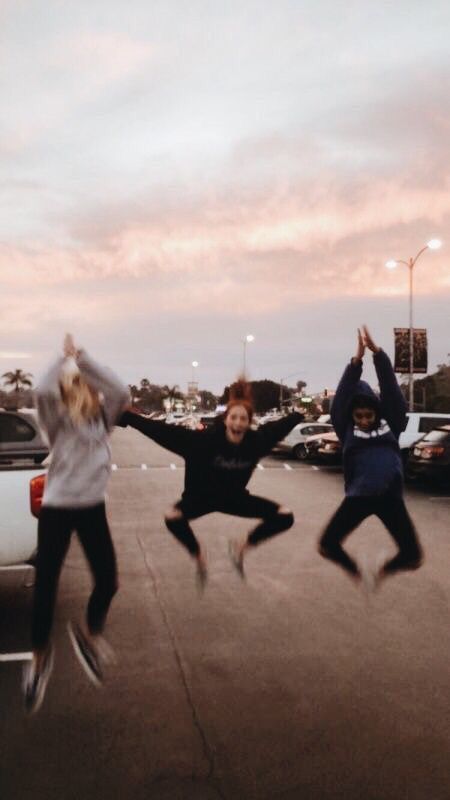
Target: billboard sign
{"points": [[420, 350]]}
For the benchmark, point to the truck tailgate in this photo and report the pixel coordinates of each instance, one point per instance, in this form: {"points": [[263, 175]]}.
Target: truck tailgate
{"points": [[18, 528]]}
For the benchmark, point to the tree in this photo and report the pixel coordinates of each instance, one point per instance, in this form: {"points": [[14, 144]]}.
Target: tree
{"points": [[432, 393], [208, 400], [265, 394], [18, 379], [172, 393]]}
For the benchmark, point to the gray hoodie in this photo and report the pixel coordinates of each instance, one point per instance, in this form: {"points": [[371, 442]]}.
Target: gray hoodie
{"points": [[81, 456]]}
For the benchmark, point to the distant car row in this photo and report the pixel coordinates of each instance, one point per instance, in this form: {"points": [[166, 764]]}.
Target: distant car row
{"points": [[425, 445], [424, 442]]}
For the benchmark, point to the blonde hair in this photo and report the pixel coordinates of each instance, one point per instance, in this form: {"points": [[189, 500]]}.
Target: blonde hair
{"points": [[82, 402]]}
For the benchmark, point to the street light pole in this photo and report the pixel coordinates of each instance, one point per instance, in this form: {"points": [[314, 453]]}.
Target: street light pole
{"points": [[411, 336], [248, 338], [433, 244]]}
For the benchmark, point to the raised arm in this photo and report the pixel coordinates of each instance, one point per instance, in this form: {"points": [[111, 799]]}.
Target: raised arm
{"points": [[115, 393], [346, 389], [393, 404], [273, 432], [173, 437], [48, 398]]}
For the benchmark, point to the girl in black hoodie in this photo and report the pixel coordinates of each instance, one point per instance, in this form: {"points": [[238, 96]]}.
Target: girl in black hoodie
{"points": [[219, 464]]}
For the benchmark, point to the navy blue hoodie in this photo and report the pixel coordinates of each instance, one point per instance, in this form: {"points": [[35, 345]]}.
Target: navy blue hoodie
{"points": [[372, 461]]}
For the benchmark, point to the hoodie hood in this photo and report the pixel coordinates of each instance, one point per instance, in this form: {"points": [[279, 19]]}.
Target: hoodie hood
{"points": [[365, 397]]}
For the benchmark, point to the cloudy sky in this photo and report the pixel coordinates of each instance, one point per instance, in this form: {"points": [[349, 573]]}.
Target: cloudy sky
{"points": [[174, 176]]}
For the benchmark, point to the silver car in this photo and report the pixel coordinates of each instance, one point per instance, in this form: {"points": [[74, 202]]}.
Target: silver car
{"points": [[20, 436], [294, 443]]}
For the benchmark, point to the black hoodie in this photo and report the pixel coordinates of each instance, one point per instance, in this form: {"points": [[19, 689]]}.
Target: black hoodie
{"points": [[215, 468]]}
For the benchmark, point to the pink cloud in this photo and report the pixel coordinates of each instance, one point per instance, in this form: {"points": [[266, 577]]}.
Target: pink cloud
{"points": [[259, 252]]}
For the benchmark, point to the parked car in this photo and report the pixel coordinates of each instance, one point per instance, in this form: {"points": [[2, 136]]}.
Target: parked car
{"points": [[270, 416], [21, 488], [294, 443], [324, 447], [175, 417], [419, 423], [21, 437], [430, 456]]}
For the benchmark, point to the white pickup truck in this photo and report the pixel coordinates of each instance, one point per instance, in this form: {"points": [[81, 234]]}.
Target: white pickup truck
{"points": [[18, 526]]}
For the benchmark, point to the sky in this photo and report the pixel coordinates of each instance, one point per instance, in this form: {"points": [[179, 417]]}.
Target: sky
{"points": [[175, 176]]}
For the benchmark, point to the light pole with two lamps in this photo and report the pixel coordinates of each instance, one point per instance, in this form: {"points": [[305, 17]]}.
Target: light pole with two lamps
{"points": [[433, 244]]}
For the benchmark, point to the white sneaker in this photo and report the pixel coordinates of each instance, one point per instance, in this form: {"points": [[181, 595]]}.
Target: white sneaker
{"points": [[371, 574], [236, 554], [35, 683], [86, 653], [105, 652]]}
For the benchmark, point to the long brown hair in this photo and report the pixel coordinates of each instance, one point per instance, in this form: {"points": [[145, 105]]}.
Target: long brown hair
{"points": [[240, 395]]}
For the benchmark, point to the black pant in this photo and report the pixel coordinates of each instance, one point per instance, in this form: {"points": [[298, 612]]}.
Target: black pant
{"points": [[244, 505], [54, 533], [391, 510]]}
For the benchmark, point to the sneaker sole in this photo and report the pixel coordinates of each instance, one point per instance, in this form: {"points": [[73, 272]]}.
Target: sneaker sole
{"points": [[89, 672]]}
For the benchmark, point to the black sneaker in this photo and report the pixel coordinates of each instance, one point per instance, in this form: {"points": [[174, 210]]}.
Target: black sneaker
{"points": [[35, 683], [86, 654]]}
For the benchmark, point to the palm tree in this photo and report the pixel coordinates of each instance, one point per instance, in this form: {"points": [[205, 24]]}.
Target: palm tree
{"points": [[171, 392], [18, 379]]}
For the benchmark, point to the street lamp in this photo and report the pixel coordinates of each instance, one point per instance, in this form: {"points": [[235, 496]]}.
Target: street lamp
{"points": [[433, 244], [248, 338], [194, 365]]}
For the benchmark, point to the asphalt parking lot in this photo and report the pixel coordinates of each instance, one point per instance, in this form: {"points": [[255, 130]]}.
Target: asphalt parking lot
{"points": [[290, 686]]}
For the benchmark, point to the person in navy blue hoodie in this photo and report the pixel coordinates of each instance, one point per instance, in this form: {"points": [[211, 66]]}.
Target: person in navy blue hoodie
{"points": [[369, 428]]}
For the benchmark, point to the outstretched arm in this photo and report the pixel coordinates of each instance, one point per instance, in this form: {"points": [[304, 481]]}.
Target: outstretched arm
{"points": [[273, 432], [393, 404], [346, 389], [173, 437]]}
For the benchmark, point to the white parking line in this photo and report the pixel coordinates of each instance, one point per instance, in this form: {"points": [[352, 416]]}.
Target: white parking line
{"points": [[317, 469], [287, 466], [16, 656], [16, 566], [260, 466], [173, 466], [143, 466]]}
